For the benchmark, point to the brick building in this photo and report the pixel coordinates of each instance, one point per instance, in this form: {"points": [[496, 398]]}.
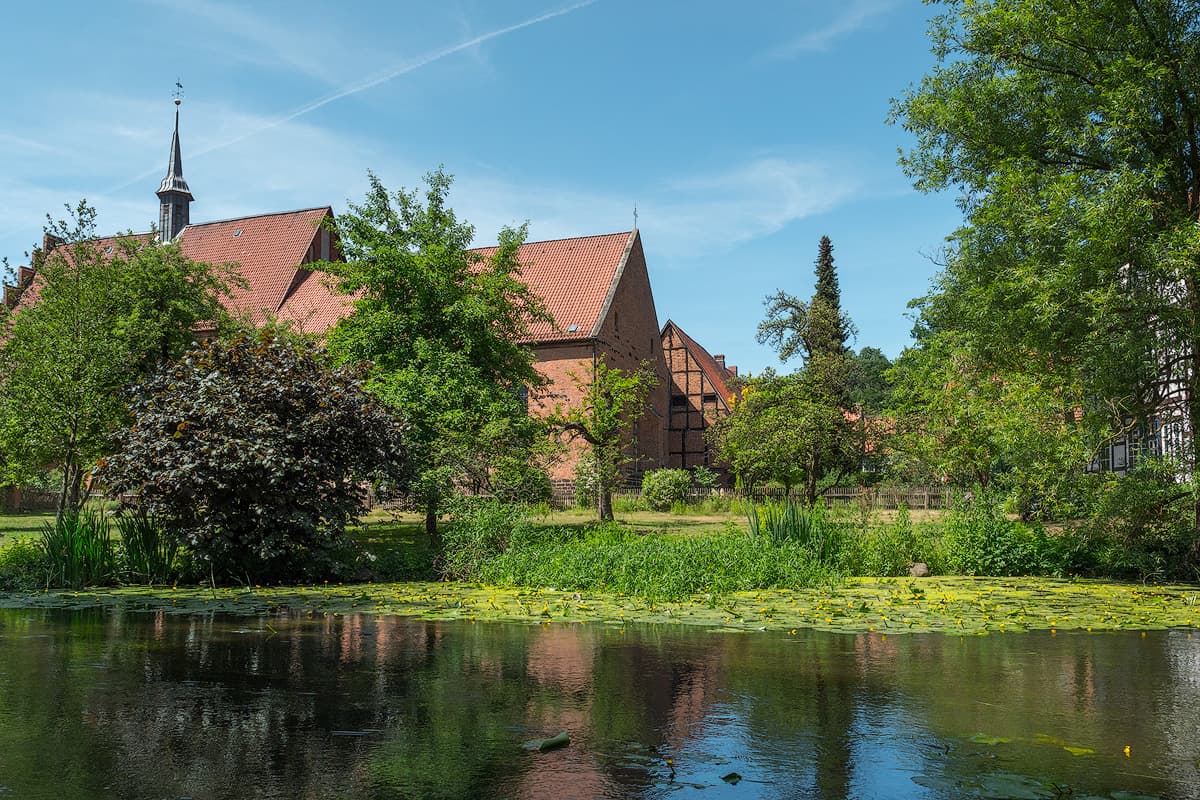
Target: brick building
{"points": [[596, 288]]}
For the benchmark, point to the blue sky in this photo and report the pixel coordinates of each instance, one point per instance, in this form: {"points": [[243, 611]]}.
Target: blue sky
{"points": [[742, 136]]}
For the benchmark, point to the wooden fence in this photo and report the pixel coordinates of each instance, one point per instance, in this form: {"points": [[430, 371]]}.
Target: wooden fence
{"points": [[889, 497]]}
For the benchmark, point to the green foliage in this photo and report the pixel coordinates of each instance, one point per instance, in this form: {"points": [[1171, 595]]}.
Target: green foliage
{"points": [[781, 430], [791, 521], [1070, 131], [442, 328], [481, 530], [869, 386], [960, 420], [79, 550], [610, 401], [1140, 526], [795, 429], [889, 549], [608, 558], [704, 478], [22, 566], [981, 540], [150, 555], [663, 488], [253, 450], [101, 320]]}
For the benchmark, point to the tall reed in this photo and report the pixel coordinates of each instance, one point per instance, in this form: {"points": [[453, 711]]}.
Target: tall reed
{"points": [[79, 549], [792, 521], [151, 556]]}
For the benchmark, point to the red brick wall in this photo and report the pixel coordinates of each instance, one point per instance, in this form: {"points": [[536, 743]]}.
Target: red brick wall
{"points": [[557, 362], [629, 335]]}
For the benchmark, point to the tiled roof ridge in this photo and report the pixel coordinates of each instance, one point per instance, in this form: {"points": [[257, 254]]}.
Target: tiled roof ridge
{"points": [[259, 216], [560, 239]]}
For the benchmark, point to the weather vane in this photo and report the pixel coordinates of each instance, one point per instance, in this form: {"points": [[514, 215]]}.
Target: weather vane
{"points": [[177, 92]]}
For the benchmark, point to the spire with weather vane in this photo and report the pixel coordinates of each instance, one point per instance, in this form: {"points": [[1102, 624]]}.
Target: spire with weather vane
{"points": [[174, 196]]}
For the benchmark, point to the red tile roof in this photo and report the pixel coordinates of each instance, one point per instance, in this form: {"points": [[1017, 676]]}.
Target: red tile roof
{"points": [[269, 250], [716, 374], [573, 277]]}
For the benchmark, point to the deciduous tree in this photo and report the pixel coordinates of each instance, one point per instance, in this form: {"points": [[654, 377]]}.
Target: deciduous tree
{"points": [[444, 330], [610, 401], [97, 321], [1072, 133]]}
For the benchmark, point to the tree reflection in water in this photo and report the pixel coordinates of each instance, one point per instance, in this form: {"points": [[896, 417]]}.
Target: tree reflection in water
{"points": [[110, 704]]}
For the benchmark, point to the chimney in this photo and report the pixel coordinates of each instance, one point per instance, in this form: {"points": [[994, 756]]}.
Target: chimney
{"points": [[733, 371], [720, 359]]}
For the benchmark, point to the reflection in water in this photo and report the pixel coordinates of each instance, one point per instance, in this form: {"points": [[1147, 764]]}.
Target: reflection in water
{"points": [[105, 704]]}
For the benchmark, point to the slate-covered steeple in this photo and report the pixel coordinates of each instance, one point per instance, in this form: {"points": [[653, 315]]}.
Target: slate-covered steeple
{"points": [[174, 196]]}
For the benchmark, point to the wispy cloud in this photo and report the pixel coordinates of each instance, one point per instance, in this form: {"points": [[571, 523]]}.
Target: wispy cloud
{"points": [[363, 85], [681, 217], [266, 39], [853, 16]]}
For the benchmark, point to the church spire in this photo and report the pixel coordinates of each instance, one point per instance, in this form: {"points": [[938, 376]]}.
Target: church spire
{"points": [[174, 196]]}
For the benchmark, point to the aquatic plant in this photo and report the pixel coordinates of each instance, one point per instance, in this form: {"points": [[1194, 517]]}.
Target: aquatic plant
{"points": [[793, 521], [79, 550], [149, 554]]}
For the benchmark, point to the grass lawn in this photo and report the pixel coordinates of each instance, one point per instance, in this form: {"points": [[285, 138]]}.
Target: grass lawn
{"points": [[20, 526]]}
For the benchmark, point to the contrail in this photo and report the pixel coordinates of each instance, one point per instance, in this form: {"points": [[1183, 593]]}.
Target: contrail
{"points": [[369, 83]]}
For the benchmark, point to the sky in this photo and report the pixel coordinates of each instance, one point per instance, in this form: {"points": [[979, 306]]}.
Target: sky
{"points": [[740, 137]]}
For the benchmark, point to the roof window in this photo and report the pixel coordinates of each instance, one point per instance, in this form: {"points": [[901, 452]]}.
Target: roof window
{"points": [[237, 233], [572, 328]]}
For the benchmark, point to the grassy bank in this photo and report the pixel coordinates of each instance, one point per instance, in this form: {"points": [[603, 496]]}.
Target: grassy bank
{"points": [[953, 605]]}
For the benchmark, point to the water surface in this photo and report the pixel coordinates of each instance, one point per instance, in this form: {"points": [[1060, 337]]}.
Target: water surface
{"points": [[111, 704]]}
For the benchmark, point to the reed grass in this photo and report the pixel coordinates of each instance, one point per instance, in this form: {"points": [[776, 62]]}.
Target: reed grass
{"points": [[150, 556], [79, 550]]}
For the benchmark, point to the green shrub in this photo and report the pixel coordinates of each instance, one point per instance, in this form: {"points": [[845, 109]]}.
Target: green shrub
{"points": [[22, 566], [663, 488], [1140, 525], [884, 550], [704, 478], [79, 550], [149, 554], [980, 540], [627, 503]]}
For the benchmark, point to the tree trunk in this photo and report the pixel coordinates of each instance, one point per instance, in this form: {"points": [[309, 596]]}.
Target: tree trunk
{"points": [[810, 484], [62, 495], [431, 524], [604, 511]]}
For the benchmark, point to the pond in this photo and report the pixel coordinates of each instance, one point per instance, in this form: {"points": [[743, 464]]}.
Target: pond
{"points": [[108, 703]]}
